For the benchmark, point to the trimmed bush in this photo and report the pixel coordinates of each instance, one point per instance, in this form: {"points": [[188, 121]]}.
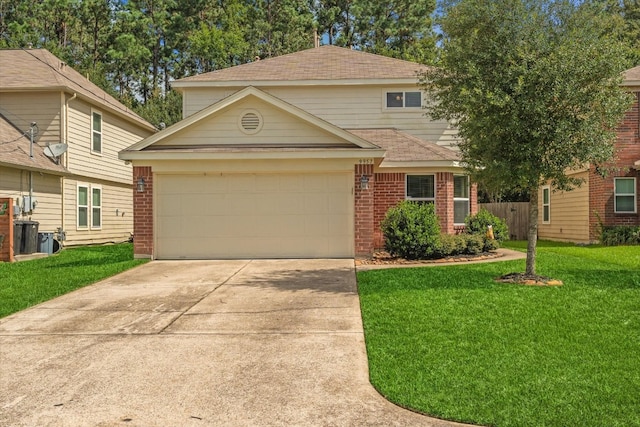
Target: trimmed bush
{"points": [[475, 244], [614, 235], [478, 223], [411, 230]]}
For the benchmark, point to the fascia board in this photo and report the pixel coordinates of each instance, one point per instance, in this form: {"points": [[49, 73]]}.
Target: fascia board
{"points": [[284, 83], [262, 155]]}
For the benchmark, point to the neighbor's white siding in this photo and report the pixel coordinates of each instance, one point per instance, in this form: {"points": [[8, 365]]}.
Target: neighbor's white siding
{"points": [[44, 108], [569, 214], [343, 106], [14, 183], [117, 135], [117, 213]]}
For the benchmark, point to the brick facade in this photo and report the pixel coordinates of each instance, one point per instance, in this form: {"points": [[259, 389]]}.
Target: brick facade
{"points": [[364, 209], [143, 213], [390, 190], [601, 190], [6, 229]]}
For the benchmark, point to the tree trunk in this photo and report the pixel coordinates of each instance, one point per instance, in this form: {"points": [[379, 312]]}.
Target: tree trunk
{"points": [[533, 232]]}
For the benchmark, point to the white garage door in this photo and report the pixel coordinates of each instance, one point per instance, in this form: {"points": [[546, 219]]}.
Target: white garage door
{"points": [[209, 216]]}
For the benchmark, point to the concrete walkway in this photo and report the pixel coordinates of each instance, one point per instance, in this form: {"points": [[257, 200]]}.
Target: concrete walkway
{"points": [[197, 343]]}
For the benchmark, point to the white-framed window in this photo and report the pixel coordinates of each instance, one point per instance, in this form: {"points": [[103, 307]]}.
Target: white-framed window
{"points": [[96, 207], [96, 132], [421, 188], [402, 99], [461, 203], [624, 195], [83, 207], [546, 204], [89, 210]]}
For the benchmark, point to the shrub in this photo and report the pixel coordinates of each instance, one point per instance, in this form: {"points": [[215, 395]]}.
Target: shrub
{"points": [[477, 224], [411, 230], [452, 245], [475, 244], [613, 235]]}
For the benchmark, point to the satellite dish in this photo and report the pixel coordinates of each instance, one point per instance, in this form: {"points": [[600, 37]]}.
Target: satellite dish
{"points": [[55, 150]]}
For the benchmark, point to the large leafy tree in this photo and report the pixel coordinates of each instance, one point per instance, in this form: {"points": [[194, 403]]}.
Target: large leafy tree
{"points": [[533, 87]]}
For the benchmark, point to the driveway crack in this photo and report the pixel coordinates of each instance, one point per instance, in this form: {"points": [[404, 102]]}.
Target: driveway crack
{"points": [[205, 296]]}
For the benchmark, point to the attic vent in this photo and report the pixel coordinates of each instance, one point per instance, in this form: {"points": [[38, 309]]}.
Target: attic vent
{"points": [[250, 122]]}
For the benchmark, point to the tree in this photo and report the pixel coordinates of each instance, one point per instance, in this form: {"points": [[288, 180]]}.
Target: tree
{"points": [[534, 89]]}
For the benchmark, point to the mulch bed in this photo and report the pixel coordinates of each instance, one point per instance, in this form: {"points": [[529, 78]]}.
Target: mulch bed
{"points": [[384, 258], [528, 279]]}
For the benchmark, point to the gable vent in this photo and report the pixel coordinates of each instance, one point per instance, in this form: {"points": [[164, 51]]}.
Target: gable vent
{"points": [[250, 122]]}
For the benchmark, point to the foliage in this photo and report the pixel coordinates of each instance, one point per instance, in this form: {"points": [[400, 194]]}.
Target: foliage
{"points": [[460, 244], [411, 230], [26, 283], [452, 343], [614, 235], [480, 222], [534, 89]]}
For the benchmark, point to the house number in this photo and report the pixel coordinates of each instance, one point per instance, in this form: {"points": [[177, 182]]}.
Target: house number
{"points": [[366, 161]]}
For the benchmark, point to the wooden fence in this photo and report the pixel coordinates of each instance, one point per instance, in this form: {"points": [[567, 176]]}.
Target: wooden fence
{"points": [[516, 214]]}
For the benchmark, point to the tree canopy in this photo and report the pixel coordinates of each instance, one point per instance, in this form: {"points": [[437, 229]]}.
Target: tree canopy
{"points": [[534, 88]]}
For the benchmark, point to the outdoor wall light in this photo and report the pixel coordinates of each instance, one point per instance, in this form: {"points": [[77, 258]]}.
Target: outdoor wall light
{"points": [[141, 185], [364, 182]]}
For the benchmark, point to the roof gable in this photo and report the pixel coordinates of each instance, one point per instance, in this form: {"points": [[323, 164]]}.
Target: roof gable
{"points": [[325, 63], [224, 115], [15, 151], [631, 77], [39, 69]]}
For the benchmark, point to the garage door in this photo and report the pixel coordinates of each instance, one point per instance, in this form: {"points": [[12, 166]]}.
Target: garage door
{"points": [[209, 216]]}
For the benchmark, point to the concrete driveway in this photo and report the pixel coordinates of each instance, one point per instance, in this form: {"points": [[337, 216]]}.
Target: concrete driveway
{"points": [[197, 343]]}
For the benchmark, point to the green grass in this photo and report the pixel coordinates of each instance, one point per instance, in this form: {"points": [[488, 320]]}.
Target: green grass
{"points": [[451, 342], [26, 283]]}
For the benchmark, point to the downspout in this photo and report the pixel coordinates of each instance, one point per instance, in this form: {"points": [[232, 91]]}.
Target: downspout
{"points": [[65, 159], [31, 137]]}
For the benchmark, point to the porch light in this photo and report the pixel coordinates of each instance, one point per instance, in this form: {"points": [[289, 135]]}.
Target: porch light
{"points": [[141, 185], [364, 182]]}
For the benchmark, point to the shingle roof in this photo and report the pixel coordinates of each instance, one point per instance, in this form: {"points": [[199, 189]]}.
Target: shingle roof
{"points": [[632, 75], [322, 63], [14, 151], [39, 69], [403, 147]]}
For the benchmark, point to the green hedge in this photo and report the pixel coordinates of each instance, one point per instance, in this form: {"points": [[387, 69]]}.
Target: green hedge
{"points": [[614, 235]]}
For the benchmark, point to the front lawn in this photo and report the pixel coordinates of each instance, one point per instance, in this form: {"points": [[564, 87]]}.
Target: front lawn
{"points": [[23, 284], [451, 342]]}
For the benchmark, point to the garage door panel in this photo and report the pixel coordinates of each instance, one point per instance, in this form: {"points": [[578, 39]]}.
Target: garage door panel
{"points": [[254, 215]]}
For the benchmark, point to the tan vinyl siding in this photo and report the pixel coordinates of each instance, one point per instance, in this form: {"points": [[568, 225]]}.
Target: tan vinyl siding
{"points": [[343, 106], [14, 183], [278, 127], [44, 108], [569, 214], [117, 135], [115, 227]]}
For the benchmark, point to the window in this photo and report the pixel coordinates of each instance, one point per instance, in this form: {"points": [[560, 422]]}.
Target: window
{"points": [[83, 206], [624, 195], [546, 205], [96, 132], [421, 188], [96, 207], [89, 206], [404, 100], [460, 198]]}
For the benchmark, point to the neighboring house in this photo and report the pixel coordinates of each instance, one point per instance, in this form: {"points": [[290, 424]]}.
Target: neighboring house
{"points": [[77, 188], [576, 215], [295, 156]]}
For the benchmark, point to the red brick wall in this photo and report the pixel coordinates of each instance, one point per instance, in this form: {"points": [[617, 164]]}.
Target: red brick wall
{"points": [[444, 201], [6, 229], [601, 200], [143, 213], [364, 210], [389, 191]]}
